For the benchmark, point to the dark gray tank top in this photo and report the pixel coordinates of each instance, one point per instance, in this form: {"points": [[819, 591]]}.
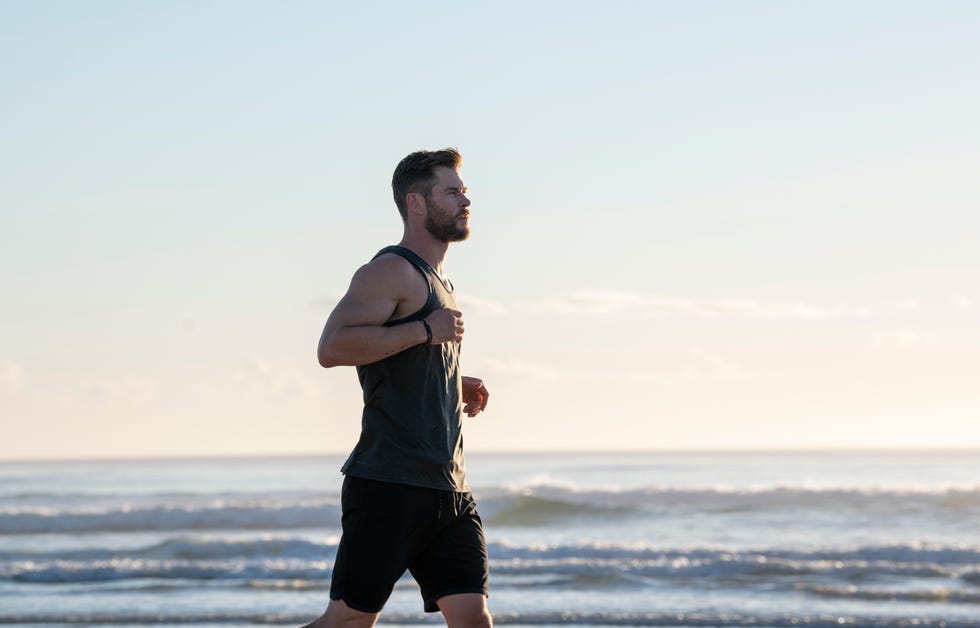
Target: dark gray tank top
{"points": [[411, 427]]}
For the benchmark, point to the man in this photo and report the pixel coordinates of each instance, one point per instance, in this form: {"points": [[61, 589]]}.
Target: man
{"points": [[405, 500]]}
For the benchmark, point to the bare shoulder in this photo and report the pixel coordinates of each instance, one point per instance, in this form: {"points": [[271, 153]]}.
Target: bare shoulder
{"points": [[371, 299], [391, 262], [385, 288], [388, 274]]}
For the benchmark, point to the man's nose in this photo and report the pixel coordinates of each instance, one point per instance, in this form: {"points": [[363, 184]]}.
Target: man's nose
{"points": [[466, 201]]}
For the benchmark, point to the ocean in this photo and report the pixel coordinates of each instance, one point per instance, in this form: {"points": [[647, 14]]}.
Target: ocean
{"points": [[597, 539]]}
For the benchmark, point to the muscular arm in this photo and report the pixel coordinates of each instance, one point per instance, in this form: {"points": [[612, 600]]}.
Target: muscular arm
{"points": [[355, 333]]}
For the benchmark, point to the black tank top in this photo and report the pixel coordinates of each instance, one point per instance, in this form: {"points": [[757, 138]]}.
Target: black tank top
{"points": [[411, 427]]}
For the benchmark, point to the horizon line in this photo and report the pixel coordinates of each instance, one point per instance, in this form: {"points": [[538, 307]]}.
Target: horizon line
{"points": [[503, 452]]}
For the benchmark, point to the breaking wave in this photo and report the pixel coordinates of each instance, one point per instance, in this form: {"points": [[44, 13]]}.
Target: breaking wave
{"points": [[532, 504], [832, 571]]}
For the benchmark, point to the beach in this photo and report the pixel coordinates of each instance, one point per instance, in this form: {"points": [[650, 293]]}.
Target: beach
{"points": [[645, 539]]}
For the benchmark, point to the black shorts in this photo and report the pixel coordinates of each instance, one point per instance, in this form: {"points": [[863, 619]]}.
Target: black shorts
{"points": [[388, 528]]}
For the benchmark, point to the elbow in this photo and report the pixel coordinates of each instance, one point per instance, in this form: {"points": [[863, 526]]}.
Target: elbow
{"points": [[327, 355], [326, 360], [324, 357]]}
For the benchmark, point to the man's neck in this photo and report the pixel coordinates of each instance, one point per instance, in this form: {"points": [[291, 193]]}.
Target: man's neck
{"points": [[428, 248]]}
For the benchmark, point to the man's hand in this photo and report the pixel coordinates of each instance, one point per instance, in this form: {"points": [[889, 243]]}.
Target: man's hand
{"points": [[475, 396], [446, 324]]}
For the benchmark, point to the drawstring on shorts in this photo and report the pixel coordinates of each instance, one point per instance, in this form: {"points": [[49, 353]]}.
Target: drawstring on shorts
{"points": [[455, 501]]}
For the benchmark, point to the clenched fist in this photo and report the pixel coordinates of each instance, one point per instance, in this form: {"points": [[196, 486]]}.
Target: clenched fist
{"points": [[446, 325]]}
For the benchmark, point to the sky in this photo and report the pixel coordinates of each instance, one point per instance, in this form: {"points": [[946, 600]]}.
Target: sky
{"points": [[695, 225]]}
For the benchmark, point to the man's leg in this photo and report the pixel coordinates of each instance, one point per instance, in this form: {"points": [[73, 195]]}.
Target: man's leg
{"points": [[372, 555], [465, 610], [453, 571], [339, 615]]}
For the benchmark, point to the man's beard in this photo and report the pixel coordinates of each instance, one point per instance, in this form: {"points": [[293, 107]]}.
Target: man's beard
{"points": [[443, 227]]}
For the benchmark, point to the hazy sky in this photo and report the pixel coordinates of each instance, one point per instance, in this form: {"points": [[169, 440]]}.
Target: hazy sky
{"points": [[695, 224]]}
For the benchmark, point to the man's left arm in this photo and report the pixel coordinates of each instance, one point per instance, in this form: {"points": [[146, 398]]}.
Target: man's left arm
{"points": [[475, 396]]}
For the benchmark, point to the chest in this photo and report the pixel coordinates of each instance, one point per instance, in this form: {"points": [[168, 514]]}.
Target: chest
{"points": [[417, 296]]}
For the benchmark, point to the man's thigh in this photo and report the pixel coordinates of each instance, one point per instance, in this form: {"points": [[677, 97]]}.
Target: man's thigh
{"points": [[455, 561], [375, 547]]}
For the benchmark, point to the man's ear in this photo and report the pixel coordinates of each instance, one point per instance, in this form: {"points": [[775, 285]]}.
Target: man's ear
{"points": [[415, 203]]}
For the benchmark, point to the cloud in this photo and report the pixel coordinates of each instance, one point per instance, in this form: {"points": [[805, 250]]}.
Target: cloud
{"points": [[125, 392], [962, 303], [900, 338], [257, 374], [639, 305], [700, 367], [470, 304], [11, 378], [719, 368], [518, 368]]}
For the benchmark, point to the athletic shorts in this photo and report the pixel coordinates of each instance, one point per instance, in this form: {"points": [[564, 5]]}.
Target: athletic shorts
{"points": [[388, 528]]}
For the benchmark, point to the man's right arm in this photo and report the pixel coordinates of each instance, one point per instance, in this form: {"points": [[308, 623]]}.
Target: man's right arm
{"points": [[355, 333]]}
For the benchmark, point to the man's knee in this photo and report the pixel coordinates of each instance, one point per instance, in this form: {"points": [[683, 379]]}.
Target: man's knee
{"points": [[465, 610], [476, 618]]}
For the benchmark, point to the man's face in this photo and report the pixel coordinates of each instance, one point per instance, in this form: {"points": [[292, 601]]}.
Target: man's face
{"points": [[448, 216]]}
